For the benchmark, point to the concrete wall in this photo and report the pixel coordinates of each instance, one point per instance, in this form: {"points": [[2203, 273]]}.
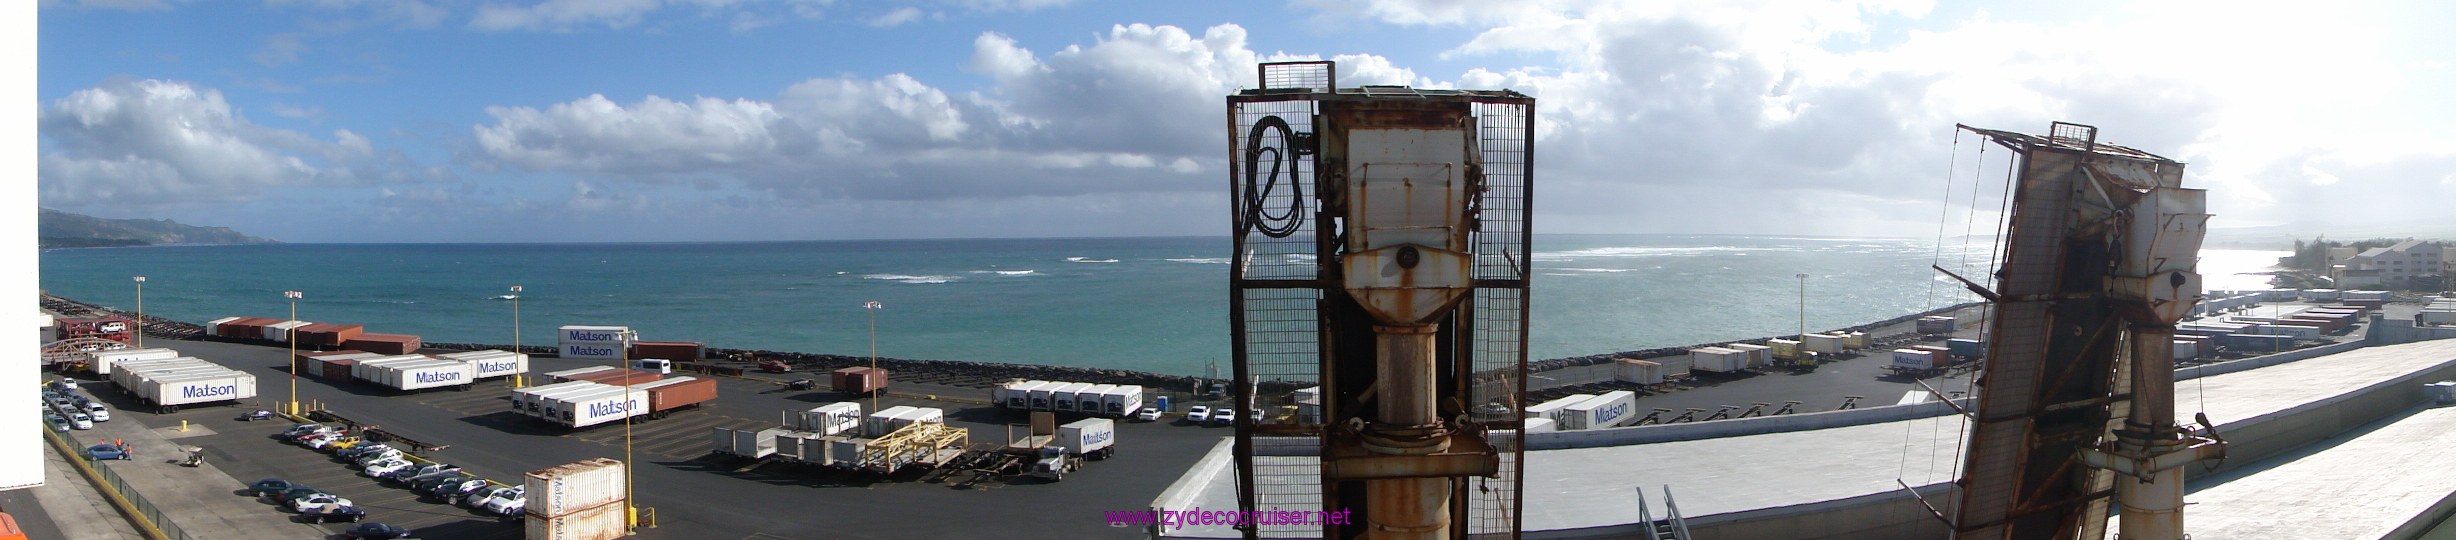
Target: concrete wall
{"points": [[2387, 331], [1657, 433]]}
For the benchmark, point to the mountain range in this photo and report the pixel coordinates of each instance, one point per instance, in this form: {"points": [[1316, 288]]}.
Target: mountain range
{"points": [[66, 230]]}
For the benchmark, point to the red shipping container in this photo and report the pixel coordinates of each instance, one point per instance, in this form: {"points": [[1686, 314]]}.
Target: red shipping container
{"points": [[327, 334], [250, 328], [338, 370], [860, 380], [385, 343], [666, 350], [681, 394]]}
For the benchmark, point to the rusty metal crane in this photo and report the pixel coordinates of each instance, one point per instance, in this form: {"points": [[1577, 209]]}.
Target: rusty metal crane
{"points": [[2077, 407], [1380, 256]]}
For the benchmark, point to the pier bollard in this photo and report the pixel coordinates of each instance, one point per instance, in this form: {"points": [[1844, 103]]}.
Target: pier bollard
{"points": [[183, 426]]}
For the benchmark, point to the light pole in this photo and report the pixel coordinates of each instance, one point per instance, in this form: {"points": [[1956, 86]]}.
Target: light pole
{"points": [[294, 296], [518, 379], [1803, 314], [140, 312], [631, 506], [873, 306]]}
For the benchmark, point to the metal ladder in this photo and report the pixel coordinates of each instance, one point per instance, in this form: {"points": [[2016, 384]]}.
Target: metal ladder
{"points": [[1671, 527]]}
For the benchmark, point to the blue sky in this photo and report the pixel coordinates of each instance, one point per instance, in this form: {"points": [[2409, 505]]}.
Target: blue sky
{"points": [[648, 120]]}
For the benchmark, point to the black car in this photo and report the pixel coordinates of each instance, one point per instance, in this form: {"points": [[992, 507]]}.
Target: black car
{"points": [[376, 530], [445, 487], [428, 484], [332, 513], [270, 486]]}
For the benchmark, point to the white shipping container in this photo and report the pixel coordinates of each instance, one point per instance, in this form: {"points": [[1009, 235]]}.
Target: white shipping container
{"points": [[1824, 343], [603, 522], [1607, 410], [912, 416], [1551, 409], [1014, 394], [569, 373], [126, 374], [280, 331], [592, 351], [1041, 395], [1093, 400], [564, 489], [878, 422], [368, 369], [214, 327], [2438, 317], [1758, 355], [1123, 400], [492, 363], [427, 374], [593, 334], [1063, 398], [615, 405], [1540, 425], [1637, 371], [1088, 436], [103, 360], [2186, 350], [202, 388], [755, 444], [532, 400], [832, 418], [1717, 359]]}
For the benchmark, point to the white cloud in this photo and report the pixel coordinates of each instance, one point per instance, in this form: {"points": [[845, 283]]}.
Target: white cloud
{"points": [[279, 49], [896, 18], [562, 14], [152, 142], [123, 5]]}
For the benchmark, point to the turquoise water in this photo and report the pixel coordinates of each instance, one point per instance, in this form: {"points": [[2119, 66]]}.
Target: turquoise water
{"points": [[1154, 304]]}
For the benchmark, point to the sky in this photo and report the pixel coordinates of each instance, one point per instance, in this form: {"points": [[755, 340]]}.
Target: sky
{"points": [[719, 120]]}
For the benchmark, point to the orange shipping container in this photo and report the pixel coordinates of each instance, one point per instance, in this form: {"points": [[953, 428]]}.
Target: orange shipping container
{"points": [[385, 343], [681, 394]]}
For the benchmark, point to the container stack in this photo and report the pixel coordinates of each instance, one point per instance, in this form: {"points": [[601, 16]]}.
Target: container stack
{"points": [[864, 380], [384, 343], [335, 365], [1758, 355], [1824, 344], [491, 363], [326, 335], [172, 382], [1715, 359], [577, 501], [594, 342], [105, 360]]}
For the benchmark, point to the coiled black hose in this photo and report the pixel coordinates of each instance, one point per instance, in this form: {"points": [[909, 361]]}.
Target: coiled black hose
{"points": [[1258, 187]]}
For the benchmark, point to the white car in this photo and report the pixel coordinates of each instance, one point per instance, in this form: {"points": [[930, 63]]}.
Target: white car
{"points": [[507, 502], [99, 412], [81, 421], [301, 504], [1148, 414], [384, 466], [477, 499], [1224, 417], [1198, 414]]}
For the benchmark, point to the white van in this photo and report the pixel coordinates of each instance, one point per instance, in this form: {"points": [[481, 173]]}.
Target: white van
{"points": [[656, 365]]}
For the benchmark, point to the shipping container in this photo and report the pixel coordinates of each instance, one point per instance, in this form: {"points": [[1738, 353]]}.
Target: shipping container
{"points": [[1716, 359], [103, 360], [1936, 324], [492, 363], [1610, 409], [568, 374], [365, 370], [832, 418], [531, 401], [675, 393], [1637, 371], [1123, 400], [1091, 437], [214, 327], [859, 380], [2186, 350], [1783, 349], [1824, 343], [592, 408], [1965, 348], [246, 328], [1063, 398], [424, 374], [384, 343], [280, 331], [680, 351], [1018, 395], [1040, 395], [602, 522], [1540, 425], [1918, 361], [878, 422], [594, 334], [326, 335], [335, 369], [1551, 409], [1855, 340], [755, 444], [198, 388], [590, 351], [1091, 400], [572, 487], [1758, 355]]}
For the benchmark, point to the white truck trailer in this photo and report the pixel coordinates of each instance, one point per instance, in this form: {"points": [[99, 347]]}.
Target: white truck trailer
{"points": [[104, 359], [489, 364], [830, 419], [1607, 410], [172, 392], [1063, 398], [1093, 400], [1122, 401], [424, 374]]}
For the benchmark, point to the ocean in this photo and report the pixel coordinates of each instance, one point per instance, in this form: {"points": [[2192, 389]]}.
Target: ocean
{"points": [[1151, 304]]}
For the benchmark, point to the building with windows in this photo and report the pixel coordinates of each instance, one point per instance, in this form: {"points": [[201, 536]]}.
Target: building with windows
{"points": [[2393, 266]]}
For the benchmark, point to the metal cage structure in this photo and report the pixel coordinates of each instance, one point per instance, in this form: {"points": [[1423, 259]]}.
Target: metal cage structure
{"points": [[1319, 232]]}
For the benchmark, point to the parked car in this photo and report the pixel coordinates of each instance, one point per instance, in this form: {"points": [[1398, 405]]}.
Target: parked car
{"points": [[1198, 414], [429, 484], [57, 423], [370, 457], [453, 492], [477, 498], [376, 530], [301, 504], [99, 412], [334, 512], [294, 493], [1148, 414], [296, 430], [344, 443], [381, 467], [421, 472], [107, 451], [507, 503], [1224, 417], [81, 421], [269, 486], [362, 449], [312, 439], [324, 443]]}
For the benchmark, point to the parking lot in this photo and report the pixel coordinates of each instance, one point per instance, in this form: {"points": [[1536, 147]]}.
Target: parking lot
{"points": [[685, 490]]}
